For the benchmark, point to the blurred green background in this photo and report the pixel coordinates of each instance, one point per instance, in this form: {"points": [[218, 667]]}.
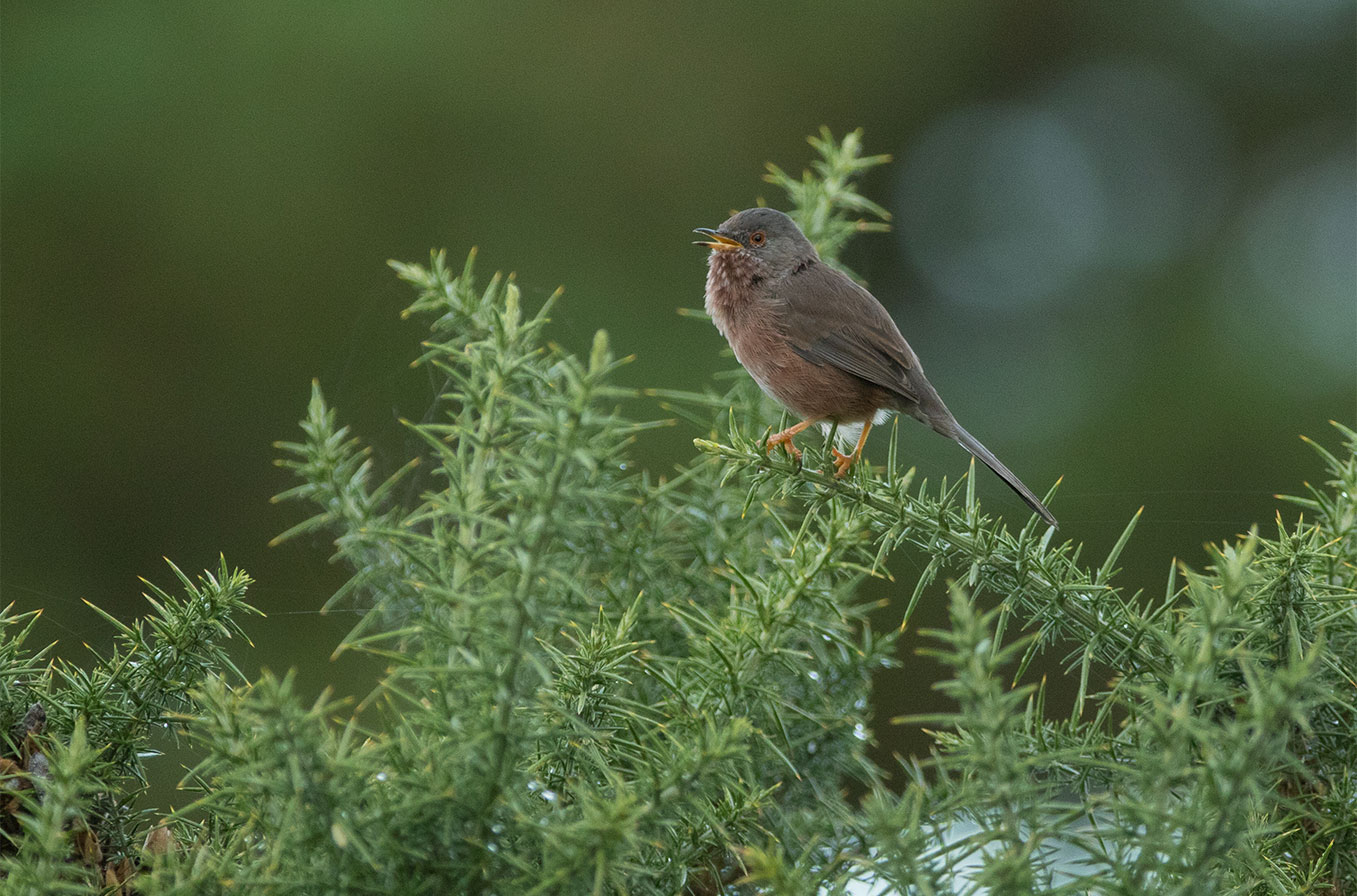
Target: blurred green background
{"points": [[1124, 249]]}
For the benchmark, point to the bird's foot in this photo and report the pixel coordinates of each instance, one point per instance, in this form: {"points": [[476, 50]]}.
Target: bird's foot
{"points": [[784, 439], [842, 462]]}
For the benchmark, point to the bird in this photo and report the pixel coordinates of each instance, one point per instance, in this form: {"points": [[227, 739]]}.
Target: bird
{"points": [[819, 343]]}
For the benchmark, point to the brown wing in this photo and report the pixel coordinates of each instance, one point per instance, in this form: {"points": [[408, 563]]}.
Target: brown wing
{"points": [[831, 320]]}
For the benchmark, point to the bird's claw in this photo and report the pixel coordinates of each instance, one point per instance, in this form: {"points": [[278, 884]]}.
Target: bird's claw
{"points": [[842, 462], [785, 441]]}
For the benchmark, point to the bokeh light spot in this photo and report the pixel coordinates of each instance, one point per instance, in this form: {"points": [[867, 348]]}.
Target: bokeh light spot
{"points": [[1114, 167]]}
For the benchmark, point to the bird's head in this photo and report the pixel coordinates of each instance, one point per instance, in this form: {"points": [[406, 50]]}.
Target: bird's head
{"points": [[764, 236]]}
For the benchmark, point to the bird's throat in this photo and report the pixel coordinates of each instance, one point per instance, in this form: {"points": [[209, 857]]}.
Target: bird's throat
{"points": [[732, 278]]}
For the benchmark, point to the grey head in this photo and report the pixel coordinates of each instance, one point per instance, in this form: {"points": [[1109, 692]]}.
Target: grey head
{"points": [[763, 238]]}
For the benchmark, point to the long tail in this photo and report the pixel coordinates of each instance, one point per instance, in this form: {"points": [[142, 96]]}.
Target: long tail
{"points": [[953, 430]]}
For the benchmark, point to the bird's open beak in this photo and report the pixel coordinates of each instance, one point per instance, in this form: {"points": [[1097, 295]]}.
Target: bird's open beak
{"points": [[719, 241]]}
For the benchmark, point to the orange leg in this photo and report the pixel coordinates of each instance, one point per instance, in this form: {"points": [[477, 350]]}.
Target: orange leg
{"points": [[843, 461], [785, 437]]}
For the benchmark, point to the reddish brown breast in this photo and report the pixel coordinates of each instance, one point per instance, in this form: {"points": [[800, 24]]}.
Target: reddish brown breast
{"points": [[748, 318]]}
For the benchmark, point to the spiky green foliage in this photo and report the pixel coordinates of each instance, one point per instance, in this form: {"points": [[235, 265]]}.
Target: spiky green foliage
{"points": [[76, 739], [600, 681], [825, 201], [1221, 759]]}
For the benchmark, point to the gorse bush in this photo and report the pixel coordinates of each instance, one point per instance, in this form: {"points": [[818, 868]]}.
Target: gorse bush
{"points": [[603, 681]]}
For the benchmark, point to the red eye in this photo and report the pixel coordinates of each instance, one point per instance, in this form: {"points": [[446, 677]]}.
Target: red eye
{"points": [[756, 238]]}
